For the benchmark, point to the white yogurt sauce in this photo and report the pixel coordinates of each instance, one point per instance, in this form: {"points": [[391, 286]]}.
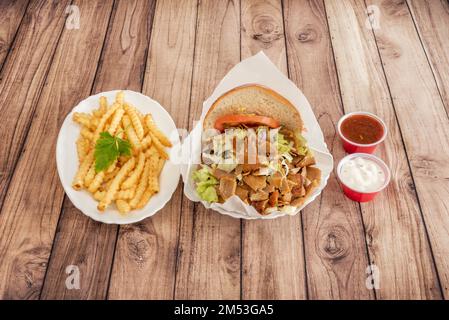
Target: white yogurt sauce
{"points": [[362, 175]]}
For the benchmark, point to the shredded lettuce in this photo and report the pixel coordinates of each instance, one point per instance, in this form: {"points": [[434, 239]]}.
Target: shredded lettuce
{"points": [[285, 166], [209, 194], [283, 145], [301, 144], [302, 151], [205, 184]]}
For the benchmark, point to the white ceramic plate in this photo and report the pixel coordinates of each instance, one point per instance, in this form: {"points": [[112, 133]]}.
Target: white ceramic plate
{"points": [[67, 160]]}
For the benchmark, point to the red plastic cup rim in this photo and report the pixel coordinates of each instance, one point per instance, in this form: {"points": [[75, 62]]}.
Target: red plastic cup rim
{"points": [[366, 114], [381, 164]]}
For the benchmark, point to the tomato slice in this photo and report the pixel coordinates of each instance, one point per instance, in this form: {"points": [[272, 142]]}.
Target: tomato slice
{"points": [[247, 119]]}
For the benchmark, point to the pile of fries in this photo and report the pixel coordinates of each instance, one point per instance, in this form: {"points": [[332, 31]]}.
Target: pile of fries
{"points": [[131, 180]]}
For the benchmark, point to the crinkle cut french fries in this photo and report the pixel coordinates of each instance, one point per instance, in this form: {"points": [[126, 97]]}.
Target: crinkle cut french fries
{"points": [[130, 182]]}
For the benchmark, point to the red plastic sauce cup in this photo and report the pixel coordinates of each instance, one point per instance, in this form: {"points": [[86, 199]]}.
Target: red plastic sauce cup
{"points": [[360, 196], [353, 147]]}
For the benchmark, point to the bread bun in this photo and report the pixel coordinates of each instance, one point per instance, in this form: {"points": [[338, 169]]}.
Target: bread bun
{"points": [[254, 99]]}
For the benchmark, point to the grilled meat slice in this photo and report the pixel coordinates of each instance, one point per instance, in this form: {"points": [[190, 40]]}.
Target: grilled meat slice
{"points": [[298, 191], [255, 182], [258, 196], [274, 196], [296, 178], [227, 187], [238, 170], [276, 179], [242, 193], [287, 197], [221, 174], [260, 205], [269, 188], [308, 160], [285, 186], [250, 167]]}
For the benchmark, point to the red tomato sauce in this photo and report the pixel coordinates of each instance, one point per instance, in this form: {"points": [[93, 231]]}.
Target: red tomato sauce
{"points": [[362, 129]]}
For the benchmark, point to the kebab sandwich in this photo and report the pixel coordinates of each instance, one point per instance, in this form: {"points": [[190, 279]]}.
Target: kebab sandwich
{"points": [[253, 148]]}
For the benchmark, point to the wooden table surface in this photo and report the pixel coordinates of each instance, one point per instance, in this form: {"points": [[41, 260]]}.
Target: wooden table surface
{"points": [[394, 63]]}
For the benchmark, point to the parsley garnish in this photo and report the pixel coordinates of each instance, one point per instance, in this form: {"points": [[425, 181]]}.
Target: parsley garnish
{"points": [[108, 148]]}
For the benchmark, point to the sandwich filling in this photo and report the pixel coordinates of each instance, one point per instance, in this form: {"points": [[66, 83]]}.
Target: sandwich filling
{"points": [[255, 158]]}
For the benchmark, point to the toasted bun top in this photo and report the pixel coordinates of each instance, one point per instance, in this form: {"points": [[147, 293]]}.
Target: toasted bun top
{"points": [[254, 99]]}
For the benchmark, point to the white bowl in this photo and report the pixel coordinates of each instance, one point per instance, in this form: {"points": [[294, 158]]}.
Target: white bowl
{"points": [[67, 159]]}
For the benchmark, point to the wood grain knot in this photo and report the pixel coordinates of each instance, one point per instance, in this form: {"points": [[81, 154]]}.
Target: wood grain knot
{"points": [[138, 250], [3, 46], [411, 186], [325, 120], [232, 263], [28, 267], [307, 34], [426, 167], [266, 30], [390, 49], [395, 7], [137, 241], [369, 239], [334, 243]]}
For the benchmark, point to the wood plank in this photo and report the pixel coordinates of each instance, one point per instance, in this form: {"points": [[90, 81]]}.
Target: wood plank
{"points": [[413, 87], [12, 14], [86, 244], [125, 52], [145, 259], [22, 78], [272, 250], [263, 29], [209, 247], [336, 255], [397, 241], [30, 213], [432, 22], [80, 240]]}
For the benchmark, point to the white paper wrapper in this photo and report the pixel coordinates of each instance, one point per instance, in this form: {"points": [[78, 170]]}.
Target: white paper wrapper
{"points": [[257, 69]]}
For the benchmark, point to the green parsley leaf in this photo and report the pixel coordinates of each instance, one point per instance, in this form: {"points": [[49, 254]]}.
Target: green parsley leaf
{"points": [[108, 148], [124, 147]]}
